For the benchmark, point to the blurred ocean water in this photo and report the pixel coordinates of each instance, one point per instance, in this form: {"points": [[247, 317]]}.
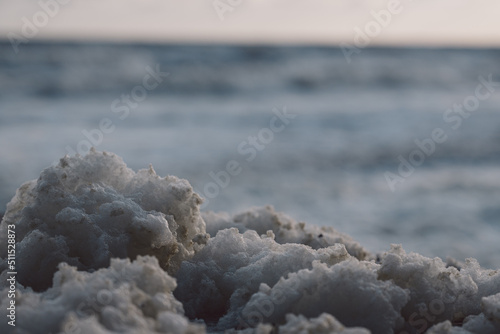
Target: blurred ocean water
{"points": [[326, 166]]}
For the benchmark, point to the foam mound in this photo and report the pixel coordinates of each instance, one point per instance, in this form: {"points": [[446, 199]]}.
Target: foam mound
{"points": [[285, 229], [220, 279], [87, 210], [126, 297], [103, 249]]}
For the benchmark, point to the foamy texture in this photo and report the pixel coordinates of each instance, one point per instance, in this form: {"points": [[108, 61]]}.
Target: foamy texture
{"points": [[220, 279], [87, 210], [349, 290], [131, 297], [285, 229], [102, 249]]}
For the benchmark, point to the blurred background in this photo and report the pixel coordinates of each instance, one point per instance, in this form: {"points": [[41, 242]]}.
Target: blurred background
{"points": [[364, 80]]}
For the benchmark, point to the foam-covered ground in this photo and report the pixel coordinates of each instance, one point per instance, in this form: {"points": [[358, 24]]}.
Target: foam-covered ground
{"points": [[103, 249]]}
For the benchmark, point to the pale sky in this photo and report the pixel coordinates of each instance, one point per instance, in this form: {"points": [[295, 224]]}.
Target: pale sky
{"points": [[417, 22]]}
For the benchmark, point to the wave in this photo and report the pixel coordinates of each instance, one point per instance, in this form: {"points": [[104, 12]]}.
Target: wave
{"points": [[58, 69]]}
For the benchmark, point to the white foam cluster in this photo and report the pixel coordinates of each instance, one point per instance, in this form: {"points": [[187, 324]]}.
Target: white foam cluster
{"points": [[285, 229], [323, 324], [487, 322], [87, 210], [348, 290], [126, 297], [222, 277], [102, 249]]}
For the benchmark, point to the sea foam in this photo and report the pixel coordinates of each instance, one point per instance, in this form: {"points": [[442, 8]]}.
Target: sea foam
{"points": [[103, 249]]}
